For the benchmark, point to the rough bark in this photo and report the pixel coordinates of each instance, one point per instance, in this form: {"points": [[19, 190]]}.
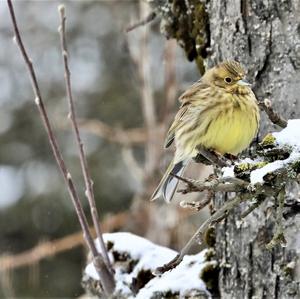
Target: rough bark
{"points": [[264, 35]]}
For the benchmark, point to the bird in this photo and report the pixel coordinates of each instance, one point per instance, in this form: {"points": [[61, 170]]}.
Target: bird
{"points": [[218, 113]]}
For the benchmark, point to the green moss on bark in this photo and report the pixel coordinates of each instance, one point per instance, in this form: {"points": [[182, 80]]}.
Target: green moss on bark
{"points": [[187, 22]]}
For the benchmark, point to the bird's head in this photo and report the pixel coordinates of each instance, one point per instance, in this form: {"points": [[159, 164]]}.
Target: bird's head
{"points": [[228, 75]]}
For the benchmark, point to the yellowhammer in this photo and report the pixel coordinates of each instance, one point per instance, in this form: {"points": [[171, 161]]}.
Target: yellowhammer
{"points": [[218, 113]]}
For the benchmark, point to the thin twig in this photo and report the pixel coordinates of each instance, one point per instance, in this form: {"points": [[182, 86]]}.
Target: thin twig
{"points": [[196, 205], [83, 161], [48, 249], [274, 117], [213, 219], [190, 182], [224, 184], [149, 18], [101, 268]]}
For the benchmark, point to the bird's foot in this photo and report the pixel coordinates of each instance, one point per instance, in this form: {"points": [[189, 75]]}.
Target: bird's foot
{"points": [[210, 157], [231, 157]]}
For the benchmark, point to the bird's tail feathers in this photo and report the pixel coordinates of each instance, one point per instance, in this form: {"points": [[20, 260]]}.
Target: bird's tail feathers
{"points": [[168, 183]]}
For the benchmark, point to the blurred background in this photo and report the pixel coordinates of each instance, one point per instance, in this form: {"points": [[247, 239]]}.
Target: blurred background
{"points": [[125, 87]]}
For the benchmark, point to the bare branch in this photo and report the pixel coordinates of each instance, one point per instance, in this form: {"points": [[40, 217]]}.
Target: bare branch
{"points": [[108, 285], [272, 186], [51, 248], [82, 156], [196, 205], [149, 18], [213, 183], [274, 117], [215, 218]]}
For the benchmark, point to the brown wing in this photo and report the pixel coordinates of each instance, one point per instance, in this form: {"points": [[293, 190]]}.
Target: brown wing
{"points": [[192, 90], [186, 100]]}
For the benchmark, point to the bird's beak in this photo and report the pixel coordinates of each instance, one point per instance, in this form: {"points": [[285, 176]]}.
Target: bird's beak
{"points": [[243, 83]]}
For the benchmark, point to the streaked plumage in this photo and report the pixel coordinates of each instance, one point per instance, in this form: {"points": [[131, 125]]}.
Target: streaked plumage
{"points": [[217, 114]]}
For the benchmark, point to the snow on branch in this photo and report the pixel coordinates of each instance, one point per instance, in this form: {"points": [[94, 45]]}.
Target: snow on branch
{"points": [[135, 259], [275, 163]]}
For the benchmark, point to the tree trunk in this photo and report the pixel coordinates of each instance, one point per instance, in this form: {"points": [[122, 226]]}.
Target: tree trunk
{"points": [[265, 37]]}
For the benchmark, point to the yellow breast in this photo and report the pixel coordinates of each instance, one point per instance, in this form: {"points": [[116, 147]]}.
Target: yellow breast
{"points": [[226, 125], [233, 129]]}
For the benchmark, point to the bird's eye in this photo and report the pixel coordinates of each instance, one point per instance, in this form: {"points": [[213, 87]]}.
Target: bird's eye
{"points": [[228, 80]]}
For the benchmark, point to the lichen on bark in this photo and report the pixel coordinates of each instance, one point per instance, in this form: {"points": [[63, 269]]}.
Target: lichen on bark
{"points": [[187, 22]]}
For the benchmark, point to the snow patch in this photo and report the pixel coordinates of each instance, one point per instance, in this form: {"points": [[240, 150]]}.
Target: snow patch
{"points": [[228, 171], [289, 135], [184, 278], [257, 175]]}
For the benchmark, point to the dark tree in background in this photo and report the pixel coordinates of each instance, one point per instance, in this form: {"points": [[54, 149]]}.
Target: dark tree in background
{"points": [[265, 37]]}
